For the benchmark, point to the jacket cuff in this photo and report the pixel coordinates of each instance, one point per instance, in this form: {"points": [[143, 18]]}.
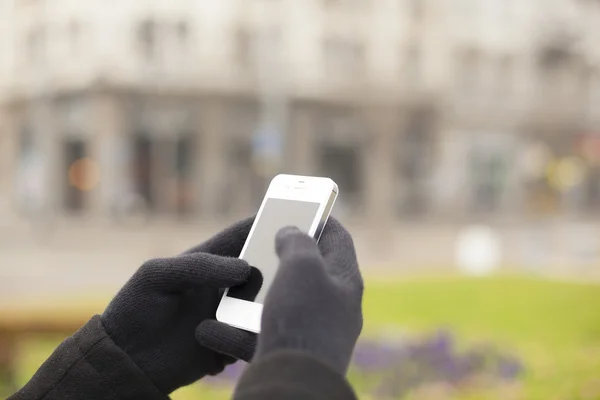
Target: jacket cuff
{"points": [[292, 372], [89, 365], [112, 364]]}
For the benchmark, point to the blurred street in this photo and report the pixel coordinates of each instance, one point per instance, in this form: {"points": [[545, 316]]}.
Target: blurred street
{"points": [[73, 259]]}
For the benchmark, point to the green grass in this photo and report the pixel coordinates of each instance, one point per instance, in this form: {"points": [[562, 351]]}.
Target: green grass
{"points": [[553, 313], [553, 326]]}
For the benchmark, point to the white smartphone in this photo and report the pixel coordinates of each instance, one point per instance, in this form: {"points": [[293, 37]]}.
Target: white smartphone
{"points": [[301, 201]]}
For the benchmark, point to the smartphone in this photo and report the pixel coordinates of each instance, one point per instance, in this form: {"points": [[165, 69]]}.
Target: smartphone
{"points": [[301, 201]]}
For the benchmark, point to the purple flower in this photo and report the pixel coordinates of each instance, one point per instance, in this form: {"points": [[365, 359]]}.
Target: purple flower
{"points": [[394, 369], [373, 356], [509, 368], [442, 342], [433, 359]]}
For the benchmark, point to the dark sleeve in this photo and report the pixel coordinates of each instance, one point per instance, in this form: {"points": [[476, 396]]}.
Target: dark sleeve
{"points": [[292, 375], [88, 365]]}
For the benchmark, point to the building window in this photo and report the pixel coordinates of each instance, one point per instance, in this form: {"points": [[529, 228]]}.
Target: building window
{"points": [[469, 73], [416, 9], [344, 57], [243, 176], [488, 167], [414, 162], [36, 45], [243, 120], [245, 49], [506, 78], [593, 92], [30, 173], [558, 88], [183, 31], [75, 36], [339, 155], [147, 38], [486, 173], [76, 174], [26, 143], [411, 66], [247, 179], [185, 199], [592, 191], [178, 46], [342, 162], [586, 83], [142, 169]]}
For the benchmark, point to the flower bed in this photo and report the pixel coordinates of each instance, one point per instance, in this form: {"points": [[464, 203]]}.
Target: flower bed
{"points": [[394, 368]]}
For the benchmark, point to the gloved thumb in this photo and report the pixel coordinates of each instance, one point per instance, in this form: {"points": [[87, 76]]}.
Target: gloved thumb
{"points": [[291, 242]]}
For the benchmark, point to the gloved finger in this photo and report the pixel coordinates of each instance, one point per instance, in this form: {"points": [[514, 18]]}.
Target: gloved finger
{"points": [[298, 253], [337, 248], [225, 339], [191, 270], [291, 241], [250, 288], [228, 242], [335, 238]]}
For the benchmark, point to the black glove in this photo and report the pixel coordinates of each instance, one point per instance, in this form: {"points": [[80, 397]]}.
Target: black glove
{"points": [[314, 304], [154, 316]]}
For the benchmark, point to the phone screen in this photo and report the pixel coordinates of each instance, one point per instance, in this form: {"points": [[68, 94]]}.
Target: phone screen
{"points": [[260, 251]]}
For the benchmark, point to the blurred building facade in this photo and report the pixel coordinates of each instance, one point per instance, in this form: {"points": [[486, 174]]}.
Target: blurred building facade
{"points": [[430, 109]]}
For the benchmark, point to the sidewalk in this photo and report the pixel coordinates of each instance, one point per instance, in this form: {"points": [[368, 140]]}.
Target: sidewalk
{"points": [[96, 258]]}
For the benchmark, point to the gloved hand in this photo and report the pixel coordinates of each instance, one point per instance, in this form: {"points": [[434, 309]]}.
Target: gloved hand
{"points": [[314, 304], [154, 316]]}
